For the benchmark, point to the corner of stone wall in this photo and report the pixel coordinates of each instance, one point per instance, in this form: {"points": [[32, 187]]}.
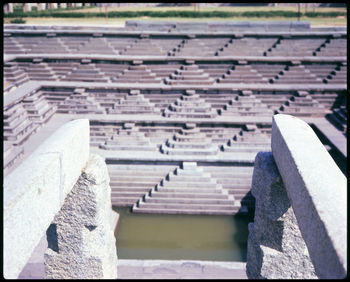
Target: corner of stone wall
{"points": [[276, 249], [81, 242]]}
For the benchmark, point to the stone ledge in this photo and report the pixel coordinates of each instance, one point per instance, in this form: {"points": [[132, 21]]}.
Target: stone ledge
{"points": [[317, 190], [34, 191]]}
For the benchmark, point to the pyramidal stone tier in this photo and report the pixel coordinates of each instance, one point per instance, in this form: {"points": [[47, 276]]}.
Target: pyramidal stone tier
{"points": [[134, 103], [188, 190], [190, 105], [38, 109], [189, 74], [137, 73], [189, 141], [79, 103], [246, 104], [17, 126], [249, 140], [128, 138]]}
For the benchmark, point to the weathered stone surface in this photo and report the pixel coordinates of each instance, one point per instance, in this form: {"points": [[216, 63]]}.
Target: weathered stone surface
{"points": [[34, 191], [317, 190], [81, 242], [276, 249]]}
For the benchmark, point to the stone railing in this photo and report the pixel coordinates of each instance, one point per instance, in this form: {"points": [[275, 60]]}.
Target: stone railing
{"points": [[300, 223], [61, 190]]}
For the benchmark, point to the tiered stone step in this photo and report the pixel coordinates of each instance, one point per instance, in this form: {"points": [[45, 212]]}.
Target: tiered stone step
{"points": [[85, 73], [79, 103], [37, 70], [189, 141], [17, 127], [137, 73], [146, 47], [246, 104], [332, 47], [338, 75], [130, 182], [11, 155], [236, 180], [190, 105], [187, 190], [249, 140], [339, 118], [295, 47], [128, 138], [207, 46], [303, 105], [246, 47], [38, 109], [189, 74], [134, 103], [14, 74], [296, 74], [242, 74]]}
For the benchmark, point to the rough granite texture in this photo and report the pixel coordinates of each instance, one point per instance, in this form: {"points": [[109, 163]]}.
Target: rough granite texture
{"points": [[317, 190], [81, 242], [276, 249]]}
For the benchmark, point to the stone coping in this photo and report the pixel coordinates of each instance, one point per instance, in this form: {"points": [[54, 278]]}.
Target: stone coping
{"points": [[242, 31], [317, 190], [182, 59]]}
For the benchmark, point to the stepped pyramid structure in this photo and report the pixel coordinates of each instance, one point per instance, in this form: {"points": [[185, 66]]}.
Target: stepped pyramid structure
{"points": [[302, 104], [250, 140], [189, 141], [246, 104], [14, 74], [188, 190], [134, 103], [128, 138], [80, 103], [17, 127], [137, 73], [189, 74], [38, 109], [190, 105]]}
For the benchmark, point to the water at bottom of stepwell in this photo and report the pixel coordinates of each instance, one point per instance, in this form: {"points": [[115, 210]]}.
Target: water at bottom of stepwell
{"points": [[182, 237]]}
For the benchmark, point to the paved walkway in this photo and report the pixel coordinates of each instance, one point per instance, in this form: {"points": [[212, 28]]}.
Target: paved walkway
{"points": [[180, 269]]}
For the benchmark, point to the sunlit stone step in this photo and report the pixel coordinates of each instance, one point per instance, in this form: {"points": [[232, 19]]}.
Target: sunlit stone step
{"points": [[191, 190], [205, 177], [135, 176], [189, 201], [174, 210], [185, 193], [199, 206]]}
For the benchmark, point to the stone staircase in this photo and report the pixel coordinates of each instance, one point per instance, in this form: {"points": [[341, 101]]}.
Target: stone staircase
{"points": [[190, 105], [188, 190], [249, 140], [79, 103], [129, 182], [189, 141], [189, 74], [134, 103], [128, 138]]}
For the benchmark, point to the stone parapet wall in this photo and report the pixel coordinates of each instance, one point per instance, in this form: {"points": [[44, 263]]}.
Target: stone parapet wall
{"points": [[35, 191], [300, 188], [81, 242], [276, 249]]}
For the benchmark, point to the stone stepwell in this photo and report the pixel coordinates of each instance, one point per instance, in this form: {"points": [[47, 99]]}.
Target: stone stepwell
{"points": [[188, 190]]}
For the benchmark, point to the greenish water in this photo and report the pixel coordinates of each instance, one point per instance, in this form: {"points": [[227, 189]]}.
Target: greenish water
{"points": [[173, 237]]}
